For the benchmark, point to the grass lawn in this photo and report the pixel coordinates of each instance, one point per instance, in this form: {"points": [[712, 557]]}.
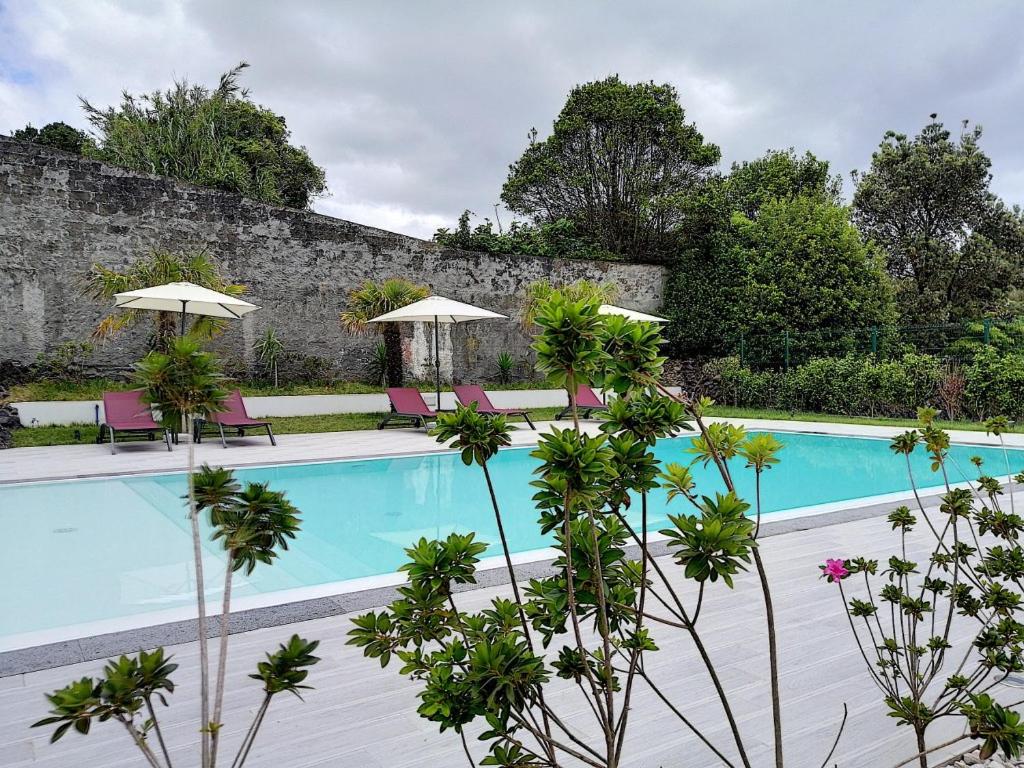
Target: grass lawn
{"points": [[737, 412], [344, 422], [93, 389], [284, 425]]}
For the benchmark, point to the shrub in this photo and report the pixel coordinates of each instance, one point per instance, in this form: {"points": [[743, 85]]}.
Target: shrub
{"points": [[599, 613], [850, 385], [913, 622], [65, 364], [994, 384]]}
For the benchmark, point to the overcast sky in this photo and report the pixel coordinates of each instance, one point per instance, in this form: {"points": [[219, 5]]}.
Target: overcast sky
{"points": [[416, 108]]}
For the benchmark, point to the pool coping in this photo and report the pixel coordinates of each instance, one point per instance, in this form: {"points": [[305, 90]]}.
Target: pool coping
{"points": [[102, 646]]}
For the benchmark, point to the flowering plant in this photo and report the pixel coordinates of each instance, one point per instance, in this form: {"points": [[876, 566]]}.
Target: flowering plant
{"points": [[939, 635]]}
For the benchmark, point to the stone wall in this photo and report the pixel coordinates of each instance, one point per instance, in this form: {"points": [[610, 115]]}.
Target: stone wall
{"points": [[60, 213]]}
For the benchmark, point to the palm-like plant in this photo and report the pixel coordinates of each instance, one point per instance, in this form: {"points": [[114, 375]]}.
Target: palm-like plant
{"points": [[252, 524], [158, 268], [372, 299], [180, 383], [268, 351]]}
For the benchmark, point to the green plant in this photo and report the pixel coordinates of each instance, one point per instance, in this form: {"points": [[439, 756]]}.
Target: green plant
{"points": [[58, 135], [371, 300], [952, 246], [540, 291], [377, 366], [506, 367], [269, 349], [618, 158], [912, 629], [993, 384], [551, 240], [253, 525], [215, 137], [597, 612], [66, 364], [158, 268]]}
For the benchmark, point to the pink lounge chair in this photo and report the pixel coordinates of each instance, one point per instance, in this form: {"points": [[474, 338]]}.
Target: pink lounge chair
{"points": [[233, 417], [472, 393], [586, 402], [407, 403], [126, 415]]}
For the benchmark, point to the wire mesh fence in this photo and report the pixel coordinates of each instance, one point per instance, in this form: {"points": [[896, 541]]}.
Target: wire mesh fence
{"points": [[950, 341]]}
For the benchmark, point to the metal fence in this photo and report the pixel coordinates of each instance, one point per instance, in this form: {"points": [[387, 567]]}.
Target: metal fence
{"points": [[950, 341]]}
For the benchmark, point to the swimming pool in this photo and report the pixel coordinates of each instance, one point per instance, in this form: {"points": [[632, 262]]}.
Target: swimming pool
{"points": [[89, 556]]}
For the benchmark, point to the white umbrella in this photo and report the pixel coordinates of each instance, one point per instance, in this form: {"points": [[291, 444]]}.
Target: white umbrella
{"points": [[632, 314], [186, 298], [436, 310]]}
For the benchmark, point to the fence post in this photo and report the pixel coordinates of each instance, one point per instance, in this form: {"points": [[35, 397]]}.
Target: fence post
{"points": [[787, 351], [988, 329], [874, 340], [743, 348]]}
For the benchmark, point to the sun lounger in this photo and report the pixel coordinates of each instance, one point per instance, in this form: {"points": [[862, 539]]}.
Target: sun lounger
{"points": [[472, 393], [233, 417], [587, 401], [125, 415], [407, 403]]}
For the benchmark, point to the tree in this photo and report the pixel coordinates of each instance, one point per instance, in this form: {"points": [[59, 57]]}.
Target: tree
{"points": [[807, 271], [553, 240], [373, 299], [268, 349], [156, 269], [780, 174], [599, 612], [617, 160], [953, 248], [212, 137], [252, 525], [56, 135], [902, 615], [770, 248]]}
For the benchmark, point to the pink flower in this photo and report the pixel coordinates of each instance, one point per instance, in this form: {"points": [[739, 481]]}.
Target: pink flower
{"points": [[834, 570]]}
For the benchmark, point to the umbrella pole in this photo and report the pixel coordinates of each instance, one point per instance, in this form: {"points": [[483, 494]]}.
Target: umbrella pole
{"points": [[183, 317], [437, 364]]}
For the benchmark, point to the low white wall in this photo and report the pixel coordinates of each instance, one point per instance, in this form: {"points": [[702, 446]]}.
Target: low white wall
{"points": [[44, 413]]}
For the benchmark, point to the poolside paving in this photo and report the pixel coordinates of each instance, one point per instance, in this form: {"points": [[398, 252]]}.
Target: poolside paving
{"points": [[360, 715]]}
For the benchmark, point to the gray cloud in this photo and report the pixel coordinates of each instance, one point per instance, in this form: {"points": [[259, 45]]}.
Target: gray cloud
{"points": [[417, 108]]}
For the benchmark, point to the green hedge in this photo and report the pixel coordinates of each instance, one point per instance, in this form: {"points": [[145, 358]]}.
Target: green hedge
{"points": [[991, 383]]}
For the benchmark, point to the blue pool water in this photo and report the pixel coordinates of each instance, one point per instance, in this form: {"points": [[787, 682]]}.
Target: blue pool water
{"points": [[90, 551]]}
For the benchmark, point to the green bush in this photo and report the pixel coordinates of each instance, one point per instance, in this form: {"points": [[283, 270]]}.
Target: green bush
{"points": [[994, 384], [850, 385]]}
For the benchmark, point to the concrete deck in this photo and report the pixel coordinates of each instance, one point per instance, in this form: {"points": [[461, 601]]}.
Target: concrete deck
{"points": [[360, 715]]}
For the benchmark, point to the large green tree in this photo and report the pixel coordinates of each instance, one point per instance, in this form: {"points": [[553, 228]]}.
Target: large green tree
{"points": [[770, 248], [56, 135], [617, 161], [214, 137], [953, 248], [808, 272]]}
